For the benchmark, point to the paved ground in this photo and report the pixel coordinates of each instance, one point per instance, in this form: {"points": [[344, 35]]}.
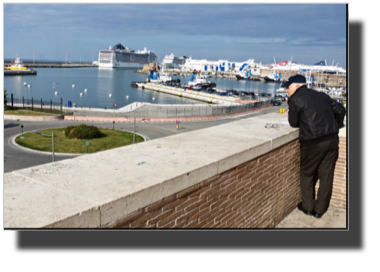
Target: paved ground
{"points": [[16, 158], [333, 218]]}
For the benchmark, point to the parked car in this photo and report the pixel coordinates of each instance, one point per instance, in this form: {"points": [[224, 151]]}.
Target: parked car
{"points": [[276, 101]]}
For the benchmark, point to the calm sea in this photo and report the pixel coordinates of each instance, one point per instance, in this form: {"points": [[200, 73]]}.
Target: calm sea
{"points": [[102, 82]]}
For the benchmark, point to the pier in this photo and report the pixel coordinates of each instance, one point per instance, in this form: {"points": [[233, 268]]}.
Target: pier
{"points": [[20, 73], [205, 97], [30, 64]]}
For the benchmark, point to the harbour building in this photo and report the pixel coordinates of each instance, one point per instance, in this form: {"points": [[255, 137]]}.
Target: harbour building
{"points": [[220, 65]]}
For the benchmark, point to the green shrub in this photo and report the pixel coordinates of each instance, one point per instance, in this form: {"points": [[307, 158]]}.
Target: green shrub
{"points": [[82, 132]]}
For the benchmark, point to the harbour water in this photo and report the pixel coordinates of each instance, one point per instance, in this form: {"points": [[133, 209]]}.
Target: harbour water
{"points": [[100, 83]]}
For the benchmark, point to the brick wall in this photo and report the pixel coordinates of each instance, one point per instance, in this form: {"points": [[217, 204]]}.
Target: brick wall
{"points": [[256, 194], [338, 198]]}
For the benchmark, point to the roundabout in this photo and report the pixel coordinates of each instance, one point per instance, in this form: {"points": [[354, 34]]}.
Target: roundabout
{"points": [[42, 141]]}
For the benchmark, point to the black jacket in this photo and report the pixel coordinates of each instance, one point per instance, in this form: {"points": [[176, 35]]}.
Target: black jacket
{"points": [[317, 115]]}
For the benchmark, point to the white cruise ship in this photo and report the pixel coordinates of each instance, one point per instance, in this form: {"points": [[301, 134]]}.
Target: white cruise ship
{"points": [[173, 62], [122, 57]]}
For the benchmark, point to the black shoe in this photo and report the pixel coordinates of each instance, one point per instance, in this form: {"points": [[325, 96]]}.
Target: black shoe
{"points": [[300, 207], [317, 215]]}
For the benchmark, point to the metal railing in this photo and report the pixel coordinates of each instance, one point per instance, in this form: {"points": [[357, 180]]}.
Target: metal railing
{"points": [[175, 111], [35, 105]]}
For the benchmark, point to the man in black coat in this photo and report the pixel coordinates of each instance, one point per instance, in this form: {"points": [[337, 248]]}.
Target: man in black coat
{"points": [[319, 118]]}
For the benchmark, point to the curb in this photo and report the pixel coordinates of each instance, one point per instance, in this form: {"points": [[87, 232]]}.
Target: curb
{"points": [[33, 118], [60, 154]]}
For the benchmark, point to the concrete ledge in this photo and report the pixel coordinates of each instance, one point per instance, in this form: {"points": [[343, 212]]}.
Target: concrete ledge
{"points": [[97, 189], [32, 118]]}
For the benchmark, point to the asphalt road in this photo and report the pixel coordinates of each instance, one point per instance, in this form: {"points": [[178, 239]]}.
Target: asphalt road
{"points": [[16, 158]]}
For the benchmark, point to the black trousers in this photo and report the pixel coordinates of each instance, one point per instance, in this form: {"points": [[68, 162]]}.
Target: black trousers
{"points": [[318, 161]]}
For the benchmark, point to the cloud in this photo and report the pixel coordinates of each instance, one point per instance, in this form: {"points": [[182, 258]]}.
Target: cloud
{"points": [[185, 26]]}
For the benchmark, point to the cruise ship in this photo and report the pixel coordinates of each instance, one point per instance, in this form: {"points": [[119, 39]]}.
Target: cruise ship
{"points": [[173, 62], [123, 57]]}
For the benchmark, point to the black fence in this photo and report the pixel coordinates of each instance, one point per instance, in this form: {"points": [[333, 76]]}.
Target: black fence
{"points": [[36, 105]]}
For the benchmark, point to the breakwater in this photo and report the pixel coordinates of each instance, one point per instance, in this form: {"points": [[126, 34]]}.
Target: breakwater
{"points": [[20, 73], [205, 97], [54, 64]]}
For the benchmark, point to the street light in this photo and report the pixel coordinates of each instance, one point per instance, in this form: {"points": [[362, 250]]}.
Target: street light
{"points": [[54, 90], [26, 87], [22, 129]]}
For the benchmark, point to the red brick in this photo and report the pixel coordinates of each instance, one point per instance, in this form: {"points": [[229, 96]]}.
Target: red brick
{"points": [[248, 176], [154, 220], [261, 168], [187, 191], [225, 203], [208, 225], [239, 206], [145, 217], [173, 204], [216, 204], [124, 221], [245, 173], [231, 220], [196, 205], [208, 181], [243, 165], [206, 193], [169, 218], [252, 164], [232, 182], [236, 192], [254, 195], [199, 191], [208, 216], [168, 225], [187, 203], [232, 204], [159, 204], [264, 158], [236, 172], [199, 214], [186, 216], [219, 180]]}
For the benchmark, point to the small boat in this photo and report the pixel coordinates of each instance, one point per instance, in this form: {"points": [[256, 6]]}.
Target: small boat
{"points": [[273, 77], [17, 65]]}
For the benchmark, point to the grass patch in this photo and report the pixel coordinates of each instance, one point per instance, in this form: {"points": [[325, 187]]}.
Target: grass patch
{"points": [[36, 112], [111, 139]]}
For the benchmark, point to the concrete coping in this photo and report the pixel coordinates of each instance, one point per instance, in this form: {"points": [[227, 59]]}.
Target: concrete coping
{"points": [[94, 190]]}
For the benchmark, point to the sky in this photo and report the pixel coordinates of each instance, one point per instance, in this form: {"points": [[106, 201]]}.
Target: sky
{"points": [[304, 33]]}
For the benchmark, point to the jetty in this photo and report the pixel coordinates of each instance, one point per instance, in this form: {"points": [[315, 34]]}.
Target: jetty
{"points": [[47, 64], [191, 94], [19, 72]]}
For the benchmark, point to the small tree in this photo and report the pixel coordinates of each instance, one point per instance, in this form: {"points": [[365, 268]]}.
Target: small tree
{"points": [[5, 97]]}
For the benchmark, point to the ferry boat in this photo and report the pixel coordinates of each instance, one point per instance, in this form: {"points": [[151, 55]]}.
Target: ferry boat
{"points": [[17, 65], [123, 57], [273, 77]]}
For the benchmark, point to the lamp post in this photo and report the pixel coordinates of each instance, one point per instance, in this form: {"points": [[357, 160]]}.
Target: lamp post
{"points": [[29, 86], [26, 87], [54, 89]]}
